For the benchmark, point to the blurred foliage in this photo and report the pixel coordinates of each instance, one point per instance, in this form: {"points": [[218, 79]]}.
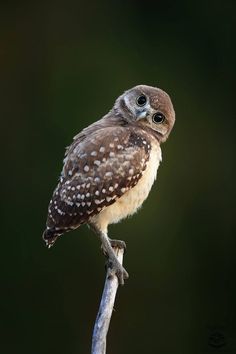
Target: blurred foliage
{"points": [[62, 66]]}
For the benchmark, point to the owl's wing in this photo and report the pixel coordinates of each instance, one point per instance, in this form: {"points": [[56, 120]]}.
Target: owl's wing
{"points": [[98, 169]]}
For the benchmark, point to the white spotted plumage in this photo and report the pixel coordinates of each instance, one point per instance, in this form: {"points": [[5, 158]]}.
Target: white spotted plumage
{"points": [[131, 201], [100, 179]]}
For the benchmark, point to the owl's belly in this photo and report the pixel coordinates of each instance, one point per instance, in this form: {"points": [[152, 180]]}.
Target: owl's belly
{"points": [[132, 200]]}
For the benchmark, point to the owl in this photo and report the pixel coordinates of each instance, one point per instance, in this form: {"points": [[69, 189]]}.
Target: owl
{"points": [[110, 167]]}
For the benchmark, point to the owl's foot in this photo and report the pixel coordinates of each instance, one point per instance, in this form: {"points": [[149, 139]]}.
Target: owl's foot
{"points": [[114, 244], [110, 248], [118, 244], [115, 268]]}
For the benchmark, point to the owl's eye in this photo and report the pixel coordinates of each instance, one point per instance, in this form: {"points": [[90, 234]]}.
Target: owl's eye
{"points": [[158, 118], [141, 100]]}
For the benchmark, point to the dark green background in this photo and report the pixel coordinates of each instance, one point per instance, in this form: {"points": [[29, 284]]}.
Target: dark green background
{"points": [[62, 66]]}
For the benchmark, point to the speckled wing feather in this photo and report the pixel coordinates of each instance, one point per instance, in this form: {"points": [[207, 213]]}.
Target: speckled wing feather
{"points": [[99, 167]]}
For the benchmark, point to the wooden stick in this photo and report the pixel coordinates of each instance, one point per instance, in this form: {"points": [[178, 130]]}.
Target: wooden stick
{"points": [[105, 310]]}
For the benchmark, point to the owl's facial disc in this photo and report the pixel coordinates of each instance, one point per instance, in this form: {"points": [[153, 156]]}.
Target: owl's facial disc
{"points": [[149, 107]]}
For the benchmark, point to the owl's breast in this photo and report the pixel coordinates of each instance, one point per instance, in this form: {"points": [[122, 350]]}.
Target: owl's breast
{"points": [[133, 199]]}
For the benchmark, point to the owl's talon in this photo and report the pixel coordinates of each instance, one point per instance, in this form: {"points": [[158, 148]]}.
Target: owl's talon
{"points": [[114, 244], [118, 244], [115, 268]]}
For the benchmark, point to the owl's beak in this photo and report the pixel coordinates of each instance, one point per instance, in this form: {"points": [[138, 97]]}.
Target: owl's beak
{"points": [[141, 114]]}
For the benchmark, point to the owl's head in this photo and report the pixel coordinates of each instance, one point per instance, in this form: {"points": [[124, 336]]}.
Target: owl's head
{"points": [[149, 107]]}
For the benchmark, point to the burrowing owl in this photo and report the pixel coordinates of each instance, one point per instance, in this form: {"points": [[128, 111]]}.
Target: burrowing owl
{"points": [[110, 167]]}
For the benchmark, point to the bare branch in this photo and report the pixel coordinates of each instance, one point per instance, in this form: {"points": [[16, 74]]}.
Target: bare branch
{"points": [[105, 310]]}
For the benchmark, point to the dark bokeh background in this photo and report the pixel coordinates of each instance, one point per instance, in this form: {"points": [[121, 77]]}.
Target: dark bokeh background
{"points": [[62, 66]]}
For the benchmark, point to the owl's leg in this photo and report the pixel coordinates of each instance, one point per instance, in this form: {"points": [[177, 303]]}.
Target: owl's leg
{"points": [[113, 265]]}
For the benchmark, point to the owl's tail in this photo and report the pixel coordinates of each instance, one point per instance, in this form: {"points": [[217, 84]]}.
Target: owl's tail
{"points": [[50, 236]]}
